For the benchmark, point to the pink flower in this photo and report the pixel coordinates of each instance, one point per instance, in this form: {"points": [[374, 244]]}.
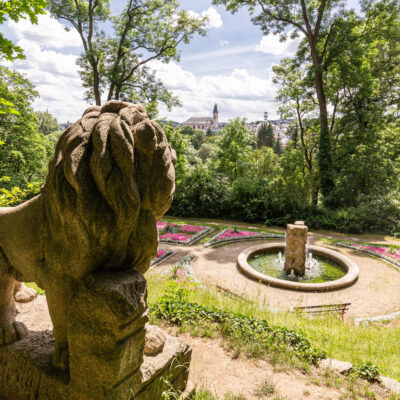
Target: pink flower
{"points": [[181, 273], [160, 252], [191, 228], [161, 225], [176, 237], [378, 250], [229, 234]]}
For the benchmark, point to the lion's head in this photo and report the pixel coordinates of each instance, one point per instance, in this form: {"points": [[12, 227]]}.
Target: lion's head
{"points": [[110, 180]]}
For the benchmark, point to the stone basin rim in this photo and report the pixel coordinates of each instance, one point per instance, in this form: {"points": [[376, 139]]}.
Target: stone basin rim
{"points": [[350, 266]]}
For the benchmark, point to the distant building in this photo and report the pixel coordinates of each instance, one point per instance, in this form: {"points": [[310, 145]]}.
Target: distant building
{"points": [[204, 123], [65, 125]]}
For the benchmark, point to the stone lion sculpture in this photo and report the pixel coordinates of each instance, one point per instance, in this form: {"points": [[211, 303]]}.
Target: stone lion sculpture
{"points": [[110, 180]]}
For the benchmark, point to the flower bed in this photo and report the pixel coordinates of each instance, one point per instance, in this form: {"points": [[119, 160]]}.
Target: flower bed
{"points": [[180, 233], [161, 255], [391, 255], [234, 235], [181, 272]]}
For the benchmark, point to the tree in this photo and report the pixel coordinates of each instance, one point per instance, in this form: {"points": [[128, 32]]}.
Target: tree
{"points": [[197, 139], [16, 10], [145, 30], [47, 123], [298, 102], [265, 136], [24, 152], [206, 151], [235, 147], [319, 22], [366, 80], [278, 145]]}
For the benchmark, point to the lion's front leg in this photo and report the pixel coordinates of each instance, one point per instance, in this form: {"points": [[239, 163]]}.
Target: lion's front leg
{"points": [[10, 330], [58, 300]]}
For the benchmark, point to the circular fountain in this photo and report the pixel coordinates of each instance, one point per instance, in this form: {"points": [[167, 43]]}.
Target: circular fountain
{"points": [[303, 267]]}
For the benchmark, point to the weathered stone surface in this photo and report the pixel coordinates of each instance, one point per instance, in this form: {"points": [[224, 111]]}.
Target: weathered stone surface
{"points": [[335, 365], [106, 331], [390, 384], [155, 340], [27, 373], [110, 180], [295, 253], [168, 368], [23, 294]]}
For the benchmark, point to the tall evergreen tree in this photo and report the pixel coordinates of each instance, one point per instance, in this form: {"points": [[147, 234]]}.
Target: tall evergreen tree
{"points": [[265, 136], [278, 145], [270, 136]]}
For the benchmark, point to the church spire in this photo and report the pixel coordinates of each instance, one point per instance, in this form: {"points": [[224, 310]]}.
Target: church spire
{"points": [[215, 117]]}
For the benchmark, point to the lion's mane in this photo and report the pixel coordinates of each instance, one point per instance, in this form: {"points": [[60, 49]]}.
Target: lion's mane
{"points": [[111, 178]]}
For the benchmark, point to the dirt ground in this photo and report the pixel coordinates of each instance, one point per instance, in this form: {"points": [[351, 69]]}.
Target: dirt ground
{"points": [[375, 293], [214, 368]]}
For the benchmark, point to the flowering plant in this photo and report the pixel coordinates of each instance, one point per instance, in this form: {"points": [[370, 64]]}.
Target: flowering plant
{"points": [[230, 235], [180, 233], [389, 253], [161, 255], [181, 273]]}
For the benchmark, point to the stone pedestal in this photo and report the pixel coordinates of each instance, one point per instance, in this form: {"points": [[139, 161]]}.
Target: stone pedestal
{"points": [[295, 254], [106, 334]]}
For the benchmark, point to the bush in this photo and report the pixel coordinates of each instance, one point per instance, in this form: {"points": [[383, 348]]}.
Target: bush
{"points": [[200, 194]]}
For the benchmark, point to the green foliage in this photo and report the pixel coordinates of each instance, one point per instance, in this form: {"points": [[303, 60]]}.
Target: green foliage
{"points": [[16, 10], [367, 371], [24, 152], [235, 146], [16, 196], [175, 308], [47, 123], [200, 194], [265, 136]]}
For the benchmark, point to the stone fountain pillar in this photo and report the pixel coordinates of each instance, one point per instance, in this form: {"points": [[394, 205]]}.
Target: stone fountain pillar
{"points": [[296, 241]]}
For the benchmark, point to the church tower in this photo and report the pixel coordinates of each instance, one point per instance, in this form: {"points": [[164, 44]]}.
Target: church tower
{"points": [[215, 117]]}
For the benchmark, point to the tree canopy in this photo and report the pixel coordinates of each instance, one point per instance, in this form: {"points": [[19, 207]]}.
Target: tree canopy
{"points": [[116, 65]]}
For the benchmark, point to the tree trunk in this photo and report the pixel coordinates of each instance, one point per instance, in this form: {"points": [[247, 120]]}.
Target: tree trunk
{"points": [[325, 150], [96, 85]]}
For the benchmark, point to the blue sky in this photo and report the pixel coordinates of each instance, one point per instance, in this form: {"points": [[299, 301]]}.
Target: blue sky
{"points": [[231, 66]]}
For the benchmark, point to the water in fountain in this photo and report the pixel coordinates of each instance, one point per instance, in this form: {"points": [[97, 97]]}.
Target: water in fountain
{"points": [[318, 269]]}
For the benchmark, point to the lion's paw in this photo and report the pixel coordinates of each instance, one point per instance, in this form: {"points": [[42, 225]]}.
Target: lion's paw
{"points": [[61, 359], [13, 332], [25, 295]]}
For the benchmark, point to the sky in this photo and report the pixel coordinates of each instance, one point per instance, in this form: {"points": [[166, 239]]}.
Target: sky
{"points": [[231, 66]]}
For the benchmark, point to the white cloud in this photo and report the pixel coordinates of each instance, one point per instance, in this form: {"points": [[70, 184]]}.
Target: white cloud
{"points": [[56, 78], [223, 43], [271, 44], [48, 32], [51, 66], [238, 94], [214, 17]]}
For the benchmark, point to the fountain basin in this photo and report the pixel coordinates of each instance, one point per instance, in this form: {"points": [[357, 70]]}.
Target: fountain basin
{"points": [[346, 263]]}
